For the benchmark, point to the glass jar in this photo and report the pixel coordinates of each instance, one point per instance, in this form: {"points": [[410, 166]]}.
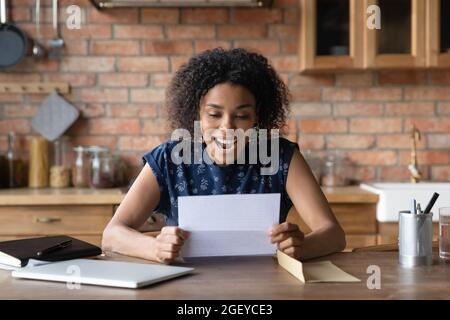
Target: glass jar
{"points": [[60, 169], [334, 172], [16, 165], [120, 170], [81, 168], [102, 168], [314, 163], [4, 174]]}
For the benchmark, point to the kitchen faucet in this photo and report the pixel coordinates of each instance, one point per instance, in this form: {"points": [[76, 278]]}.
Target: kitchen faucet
{"points": [[413, 166]]}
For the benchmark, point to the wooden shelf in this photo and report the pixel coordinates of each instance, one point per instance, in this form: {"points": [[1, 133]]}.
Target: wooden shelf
{"points": [[109, 4], [34, 87]]}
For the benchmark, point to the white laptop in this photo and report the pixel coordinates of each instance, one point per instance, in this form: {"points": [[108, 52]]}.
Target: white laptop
{"points": [[102, 272]]}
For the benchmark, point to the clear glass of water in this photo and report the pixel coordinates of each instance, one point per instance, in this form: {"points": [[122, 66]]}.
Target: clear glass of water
{"points": [[444, 233]]}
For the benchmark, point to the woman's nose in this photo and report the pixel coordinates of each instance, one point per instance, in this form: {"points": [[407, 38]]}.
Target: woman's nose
{"points": [[227, 123]]}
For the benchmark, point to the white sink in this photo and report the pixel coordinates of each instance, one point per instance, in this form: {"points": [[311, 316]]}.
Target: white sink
{"points": [[394, 197]]}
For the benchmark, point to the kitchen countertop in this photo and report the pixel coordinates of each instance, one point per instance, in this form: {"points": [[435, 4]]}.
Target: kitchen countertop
{"points": [[66, 196], [349, 194], [258, 278], [73, 196]]}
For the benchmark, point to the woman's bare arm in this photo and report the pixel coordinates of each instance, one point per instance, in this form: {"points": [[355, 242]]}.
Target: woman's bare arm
{"points": [[121, 234], [327, 235]]}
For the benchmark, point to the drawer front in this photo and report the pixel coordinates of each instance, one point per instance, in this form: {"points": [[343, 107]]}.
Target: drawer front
{"points": [[53, 220], [388, 232], [355, 218]]}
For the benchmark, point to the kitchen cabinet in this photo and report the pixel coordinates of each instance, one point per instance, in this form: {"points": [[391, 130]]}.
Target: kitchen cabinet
{"points": [[388, 232], [335, 35], [81, 213], [400, 42], [438, 33], [84, 213], [330, 37], [355, 209]]}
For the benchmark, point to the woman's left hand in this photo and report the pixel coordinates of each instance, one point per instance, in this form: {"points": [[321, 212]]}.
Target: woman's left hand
{"points": [[288, 237]]}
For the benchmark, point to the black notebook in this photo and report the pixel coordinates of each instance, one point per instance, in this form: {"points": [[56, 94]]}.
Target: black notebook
{"points": [[16, 253]]}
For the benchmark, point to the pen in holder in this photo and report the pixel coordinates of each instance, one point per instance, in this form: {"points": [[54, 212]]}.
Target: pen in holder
{"points": [[415, 238]]}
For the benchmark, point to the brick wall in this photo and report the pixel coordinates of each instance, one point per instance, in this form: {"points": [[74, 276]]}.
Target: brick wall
{"points": [[120, 62]]}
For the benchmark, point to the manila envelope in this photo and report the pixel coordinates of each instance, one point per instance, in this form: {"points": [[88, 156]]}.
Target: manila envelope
{"points": [[322, 271]]}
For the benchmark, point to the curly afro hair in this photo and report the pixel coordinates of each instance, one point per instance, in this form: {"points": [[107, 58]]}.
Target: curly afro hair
{"points": [[236, 66]]}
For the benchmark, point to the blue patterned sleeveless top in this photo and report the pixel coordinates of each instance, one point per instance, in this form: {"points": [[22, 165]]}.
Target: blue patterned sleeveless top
{"points": [[176, 180]]}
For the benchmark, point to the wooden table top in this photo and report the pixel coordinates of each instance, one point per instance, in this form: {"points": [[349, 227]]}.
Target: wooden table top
{"points": [[257, 278]]}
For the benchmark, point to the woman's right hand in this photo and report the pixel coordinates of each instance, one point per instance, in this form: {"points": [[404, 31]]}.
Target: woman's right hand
{"points": [[168, 244]]}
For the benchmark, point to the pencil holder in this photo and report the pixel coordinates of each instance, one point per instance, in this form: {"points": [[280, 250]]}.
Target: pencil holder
{"points": [[415, 239]]}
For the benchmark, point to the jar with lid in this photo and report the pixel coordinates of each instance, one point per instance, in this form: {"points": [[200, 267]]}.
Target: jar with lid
{"points": [[102, 168], [334, 172], [81, 168]]}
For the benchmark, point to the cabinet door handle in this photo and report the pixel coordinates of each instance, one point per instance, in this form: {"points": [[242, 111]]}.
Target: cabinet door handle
{"points": [[47, 220]]}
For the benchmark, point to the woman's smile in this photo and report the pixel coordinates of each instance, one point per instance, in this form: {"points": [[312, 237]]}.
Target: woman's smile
{"points": [[224, 144]]}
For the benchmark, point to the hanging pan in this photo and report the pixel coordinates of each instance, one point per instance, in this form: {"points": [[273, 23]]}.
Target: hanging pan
{"points": [[13, 41]]}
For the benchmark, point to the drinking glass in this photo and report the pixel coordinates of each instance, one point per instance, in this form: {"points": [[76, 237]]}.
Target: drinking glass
{"points": [[444, 233]]}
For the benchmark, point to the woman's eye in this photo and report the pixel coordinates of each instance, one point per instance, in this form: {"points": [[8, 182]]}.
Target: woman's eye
{"points": [[214, 115], [244, 117]]}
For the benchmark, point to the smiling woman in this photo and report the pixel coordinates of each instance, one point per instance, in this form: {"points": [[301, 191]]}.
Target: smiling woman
{"points": [[225, 91]]}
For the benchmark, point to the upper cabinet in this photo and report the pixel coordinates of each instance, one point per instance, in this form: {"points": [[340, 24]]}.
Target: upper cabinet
{"points": [[330, 38], [400, 42], [374, 34], [438, 33]]}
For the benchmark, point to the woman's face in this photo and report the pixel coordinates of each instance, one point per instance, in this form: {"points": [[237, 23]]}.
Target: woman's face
{"points": [[224, 107]]}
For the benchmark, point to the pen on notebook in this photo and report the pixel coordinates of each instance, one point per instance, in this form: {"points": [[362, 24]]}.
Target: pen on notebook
{"points": [[56, 247], [431, 203]]}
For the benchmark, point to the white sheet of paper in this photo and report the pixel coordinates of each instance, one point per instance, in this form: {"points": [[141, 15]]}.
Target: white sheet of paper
{"points": [[31, 263], [228, 225]]}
